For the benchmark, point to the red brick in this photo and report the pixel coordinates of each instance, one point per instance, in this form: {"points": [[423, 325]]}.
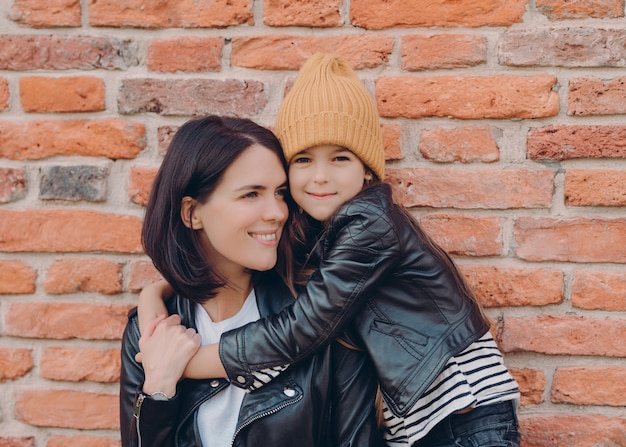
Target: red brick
{"points": [[12, 184], [5, 94], [379, 14], [38, 139], [590, 385], [467, 97], [31, 52], [141, 273], [570, 240], [170, 14], [15, 441], [309, 13], [72, 275], [566, 9], [391, 142], [532, 384], [572, 431], [563, 142], [464, 234], [79, 364], [564, 47], [62, 321], [17, 277], [47, 14], [597, 290], [564, 335], [592, 96], [140, 184], [442, 51], [466, 144], [164, 137], [15, 363], [495, 189], [289, 52], [69, 231], [595, 187], [238, 97], [185, 54], [68, 409], [68, 94], [81, 441], [497, 286]]}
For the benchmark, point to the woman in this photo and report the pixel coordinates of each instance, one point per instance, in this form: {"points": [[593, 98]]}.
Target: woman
{"points": [[215, 215]]}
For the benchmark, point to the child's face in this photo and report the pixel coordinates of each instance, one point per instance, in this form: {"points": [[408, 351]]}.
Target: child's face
{"points": [[322, 178]]}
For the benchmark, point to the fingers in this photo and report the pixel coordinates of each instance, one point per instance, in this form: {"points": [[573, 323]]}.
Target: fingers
{"points": [[152, 325]]}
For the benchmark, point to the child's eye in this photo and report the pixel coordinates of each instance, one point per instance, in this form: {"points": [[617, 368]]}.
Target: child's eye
{"points": [[301, 160], [342, 158]]}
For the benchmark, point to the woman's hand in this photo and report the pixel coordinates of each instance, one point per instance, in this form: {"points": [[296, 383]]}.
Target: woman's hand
{"points": [[166, 348]]}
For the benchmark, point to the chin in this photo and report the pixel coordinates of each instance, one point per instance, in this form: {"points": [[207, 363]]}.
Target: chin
{"points": [[264, 266]]}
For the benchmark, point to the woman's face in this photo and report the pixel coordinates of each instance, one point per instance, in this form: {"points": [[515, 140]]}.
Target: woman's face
{"points": [[242, 220], [322, 178]]}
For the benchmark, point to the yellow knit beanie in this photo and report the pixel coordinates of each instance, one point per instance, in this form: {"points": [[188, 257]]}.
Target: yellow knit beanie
{"points": [[329, 104]]}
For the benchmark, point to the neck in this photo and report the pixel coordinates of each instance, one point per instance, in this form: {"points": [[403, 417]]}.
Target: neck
{"points": [[229, 299]]}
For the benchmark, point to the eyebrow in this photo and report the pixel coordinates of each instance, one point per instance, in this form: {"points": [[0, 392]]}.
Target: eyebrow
{"points": [[259, 187]]}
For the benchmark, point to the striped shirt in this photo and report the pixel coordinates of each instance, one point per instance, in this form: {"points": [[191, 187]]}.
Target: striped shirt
{"points": [[475, 377]]}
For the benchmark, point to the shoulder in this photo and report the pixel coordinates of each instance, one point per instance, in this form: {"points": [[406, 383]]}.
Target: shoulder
{"points": [[368, 219]]}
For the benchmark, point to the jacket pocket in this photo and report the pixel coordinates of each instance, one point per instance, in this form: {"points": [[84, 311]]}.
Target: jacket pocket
{"points": [[412, 341]]}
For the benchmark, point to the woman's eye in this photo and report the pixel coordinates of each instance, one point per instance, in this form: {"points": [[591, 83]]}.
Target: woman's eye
{"points": [[281, 193], [251, 195]]}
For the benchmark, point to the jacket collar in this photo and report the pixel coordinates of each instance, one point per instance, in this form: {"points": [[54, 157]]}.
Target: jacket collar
{"points": [[271, 295]]}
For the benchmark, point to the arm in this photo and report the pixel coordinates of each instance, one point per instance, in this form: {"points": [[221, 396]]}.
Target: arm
{"points": [[205, 364], [364, 250], [151, 302], [167, 347]]}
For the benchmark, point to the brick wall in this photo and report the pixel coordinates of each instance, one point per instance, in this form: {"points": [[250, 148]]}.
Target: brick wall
{"points": [[504, 128]]}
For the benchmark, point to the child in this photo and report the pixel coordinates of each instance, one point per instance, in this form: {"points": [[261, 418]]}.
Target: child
{"points": [[369, 269]]}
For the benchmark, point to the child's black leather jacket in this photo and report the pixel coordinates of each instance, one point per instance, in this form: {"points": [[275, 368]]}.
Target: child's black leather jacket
{"points": [[378, 276], [327, 400]]}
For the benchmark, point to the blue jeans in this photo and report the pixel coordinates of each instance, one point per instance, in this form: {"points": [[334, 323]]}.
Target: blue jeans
{"points": [[492, 425]]}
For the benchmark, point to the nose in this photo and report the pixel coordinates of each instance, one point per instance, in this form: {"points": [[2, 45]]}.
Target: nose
{"points": [[276, 209], [320, 175]]}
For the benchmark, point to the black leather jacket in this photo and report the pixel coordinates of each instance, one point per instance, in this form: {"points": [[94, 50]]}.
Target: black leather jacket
{"points": [[377, 275], [327, 400]]}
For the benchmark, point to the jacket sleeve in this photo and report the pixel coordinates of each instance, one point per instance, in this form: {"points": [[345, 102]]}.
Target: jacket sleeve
{"points": [[354, 417], [143, 422], [363, 247]]}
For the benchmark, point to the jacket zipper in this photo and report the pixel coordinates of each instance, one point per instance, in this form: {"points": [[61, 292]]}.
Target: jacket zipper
{"points": [[262, 415], [137, 413]]}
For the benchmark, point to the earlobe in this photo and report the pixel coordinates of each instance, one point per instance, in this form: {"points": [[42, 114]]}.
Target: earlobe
{"points": [[188, 214]]}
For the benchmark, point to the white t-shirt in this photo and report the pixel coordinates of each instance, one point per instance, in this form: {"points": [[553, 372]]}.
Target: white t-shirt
{"points": [[217, 417]]}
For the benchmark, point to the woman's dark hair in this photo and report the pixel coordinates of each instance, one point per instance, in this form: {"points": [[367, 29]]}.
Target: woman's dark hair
{"points": [[200, 151]]}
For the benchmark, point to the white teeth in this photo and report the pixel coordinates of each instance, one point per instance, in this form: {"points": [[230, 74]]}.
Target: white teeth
{"points": [[265, 237]]}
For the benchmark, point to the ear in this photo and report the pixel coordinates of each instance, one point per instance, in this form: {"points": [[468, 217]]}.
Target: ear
{"points": [[188, 213], [368, 176]]}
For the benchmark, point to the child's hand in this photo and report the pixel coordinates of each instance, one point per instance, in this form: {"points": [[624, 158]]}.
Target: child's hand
{"points": [[151, 303]]}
